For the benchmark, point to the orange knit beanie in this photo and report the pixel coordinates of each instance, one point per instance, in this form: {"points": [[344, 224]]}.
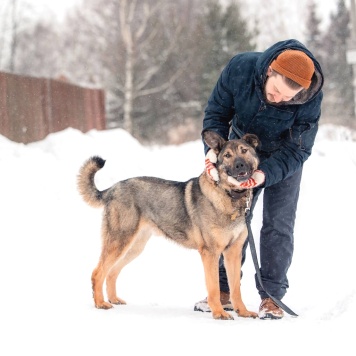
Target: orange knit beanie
{"points": [[295, 65]]}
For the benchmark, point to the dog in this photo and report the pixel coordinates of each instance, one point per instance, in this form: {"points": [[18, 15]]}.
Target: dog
{"points": [[200, 214]]}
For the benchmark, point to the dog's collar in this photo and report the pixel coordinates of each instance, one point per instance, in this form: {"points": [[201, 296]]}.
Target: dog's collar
{"points": [[236, 194]]}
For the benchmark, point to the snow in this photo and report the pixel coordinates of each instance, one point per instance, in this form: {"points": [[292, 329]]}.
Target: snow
{"points": [[50, 243]]}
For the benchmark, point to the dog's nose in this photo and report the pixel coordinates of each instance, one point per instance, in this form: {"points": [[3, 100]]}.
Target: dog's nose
{"points": [[241, 168], [239, 164]]}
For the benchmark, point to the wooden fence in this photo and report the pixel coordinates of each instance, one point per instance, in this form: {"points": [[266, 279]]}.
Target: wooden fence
{"points": [[31, 108]]}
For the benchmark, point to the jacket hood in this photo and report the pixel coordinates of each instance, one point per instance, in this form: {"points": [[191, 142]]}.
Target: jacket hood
{"points": [[272, 52]]}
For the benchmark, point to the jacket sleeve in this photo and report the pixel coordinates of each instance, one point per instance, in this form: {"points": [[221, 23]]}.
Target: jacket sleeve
{"points": [[219, 111], [296, 146]]}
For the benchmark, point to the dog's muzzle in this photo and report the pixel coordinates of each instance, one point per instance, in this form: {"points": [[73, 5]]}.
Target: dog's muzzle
{"points": [[241, 171]]}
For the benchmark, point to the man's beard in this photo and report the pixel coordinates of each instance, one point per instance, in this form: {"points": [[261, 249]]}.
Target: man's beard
{"points": [[272, 102]]}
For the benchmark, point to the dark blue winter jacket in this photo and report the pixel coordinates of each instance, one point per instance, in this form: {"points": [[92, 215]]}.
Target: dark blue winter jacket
{"points": [[287, 130]]}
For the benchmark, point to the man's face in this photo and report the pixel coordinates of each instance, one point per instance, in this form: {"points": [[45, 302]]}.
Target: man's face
{"points": [[276, 90]]}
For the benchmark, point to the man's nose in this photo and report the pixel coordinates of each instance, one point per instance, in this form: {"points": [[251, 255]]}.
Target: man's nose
{"points": [[278, 98]]}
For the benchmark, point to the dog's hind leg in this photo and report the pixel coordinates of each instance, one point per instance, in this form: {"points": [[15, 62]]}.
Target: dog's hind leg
{"points": [[114, 248], [119, 230], [135, 250], [109, 256]]}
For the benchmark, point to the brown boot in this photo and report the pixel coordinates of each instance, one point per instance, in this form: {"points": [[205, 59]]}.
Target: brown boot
{"points": [[269, 310], [203, 305]]}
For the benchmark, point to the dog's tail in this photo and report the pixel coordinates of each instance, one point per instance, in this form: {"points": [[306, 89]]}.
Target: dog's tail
{"points": [[86, 184]]}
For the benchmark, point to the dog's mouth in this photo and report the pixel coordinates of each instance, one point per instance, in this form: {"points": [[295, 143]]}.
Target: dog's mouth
{"points": [[244, 175], [241, 176]]}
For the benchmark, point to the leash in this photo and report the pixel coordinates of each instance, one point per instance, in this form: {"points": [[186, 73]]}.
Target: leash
{"points": [[257, 267]]}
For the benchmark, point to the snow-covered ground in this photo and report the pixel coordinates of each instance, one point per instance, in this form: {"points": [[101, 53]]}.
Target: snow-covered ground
{"points": [[50, 242]]}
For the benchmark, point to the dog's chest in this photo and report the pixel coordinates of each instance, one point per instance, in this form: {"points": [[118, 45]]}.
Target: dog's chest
{"points": [[239, 232], [231, 230], [238, 225]]}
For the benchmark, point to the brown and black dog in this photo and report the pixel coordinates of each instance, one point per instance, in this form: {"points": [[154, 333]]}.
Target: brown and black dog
{"points": [[199, 214]]}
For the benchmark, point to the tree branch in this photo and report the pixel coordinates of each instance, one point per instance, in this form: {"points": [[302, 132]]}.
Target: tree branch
{"points": [[162, 87]]}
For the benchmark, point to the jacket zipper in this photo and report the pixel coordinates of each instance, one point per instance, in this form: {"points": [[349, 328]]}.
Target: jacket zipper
{"points": [[261, 108]]}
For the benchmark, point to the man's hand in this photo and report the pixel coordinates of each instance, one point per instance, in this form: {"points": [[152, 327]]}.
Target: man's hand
{"points": [[257, 178], [210, 160]]}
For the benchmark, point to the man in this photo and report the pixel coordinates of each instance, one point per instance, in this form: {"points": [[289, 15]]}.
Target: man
{"points": [[277, 96]]}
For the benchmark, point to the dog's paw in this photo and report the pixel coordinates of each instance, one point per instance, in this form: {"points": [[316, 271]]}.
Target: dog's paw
{"points": [[222, 316], [117, 301], [247, 314], [103, 305]]}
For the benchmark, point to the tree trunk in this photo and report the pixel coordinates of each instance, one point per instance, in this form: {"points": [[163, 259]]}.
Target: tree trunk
{"points": [[126, 13], [128, 95]]}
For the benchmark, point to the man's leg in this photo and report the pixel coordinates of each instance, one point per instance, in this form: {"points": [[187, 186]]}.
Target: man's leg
{"points": [[277, 234]]}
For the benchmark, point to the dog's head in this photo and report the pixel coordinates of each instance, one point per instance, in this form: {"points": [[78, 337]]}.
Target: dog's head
{"points": [[236, 158]]}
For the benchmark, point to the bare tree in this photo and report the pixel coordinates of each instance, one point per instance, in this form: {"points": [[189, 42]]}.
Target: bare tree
{"points": [[9, 19], [338, 91], [140, 29], [29, 44]]}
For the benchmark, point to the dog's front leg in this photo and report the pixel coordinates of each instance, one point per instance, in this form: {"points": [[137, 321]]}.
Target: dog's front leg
{"points": [[232, 261], [211, 269]]}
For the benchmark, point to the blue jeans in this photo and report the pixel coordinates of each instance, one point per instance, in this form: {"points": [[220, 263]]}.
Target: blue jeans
{"points": [[276, 237]]}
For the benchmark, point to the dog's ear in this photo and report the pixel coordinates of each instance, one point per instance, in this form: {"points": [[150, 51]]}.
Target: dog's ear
{"points": [[252, 140], [213, 140]]}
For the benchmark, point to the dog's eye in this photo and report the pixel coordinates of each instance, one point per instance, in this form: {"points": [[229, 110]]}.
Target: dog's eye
{"points": [[227, 155], [243, 150]]}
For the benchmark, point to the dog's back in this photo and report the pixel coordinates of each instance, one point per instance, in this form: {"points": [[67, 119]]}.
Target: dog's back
{"points": [[155, 202]]}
